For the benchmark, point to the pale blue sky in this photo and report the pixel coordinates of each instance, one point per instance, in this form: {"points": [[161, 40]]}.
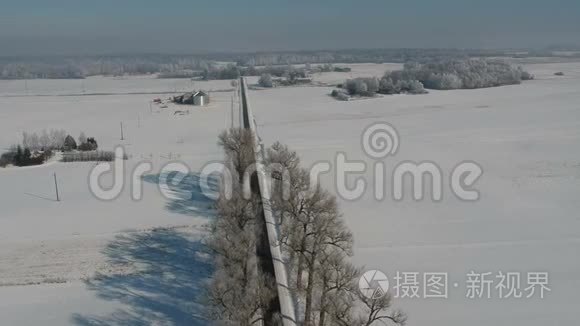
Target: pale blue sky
{"points": [[38, 27]]}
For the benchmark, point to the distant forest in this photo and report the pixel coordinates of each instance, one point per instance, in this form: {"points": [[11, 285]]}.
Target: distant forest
{"points": [[206, 65]]}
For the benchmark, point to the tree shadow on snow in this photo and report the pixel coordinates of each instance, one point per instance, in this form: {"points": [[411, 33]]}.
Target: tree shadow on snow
{"points": [[186, 196], [158, 276]]}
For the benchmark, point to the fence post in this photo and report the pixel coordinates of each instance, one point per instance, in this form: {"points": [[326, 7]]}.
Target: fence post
{"points": [[56, 188]]}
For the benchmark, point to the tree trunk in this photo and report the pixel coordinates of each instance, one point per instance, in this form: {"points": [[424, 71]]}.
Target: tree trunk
{"points": [[322, 308], [299, 273], [309, 289], [301, 260]]}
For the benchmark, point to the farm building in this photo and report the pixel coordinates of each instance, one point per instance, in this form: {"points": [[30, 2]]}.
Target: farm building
{"points": [[199, 98]]}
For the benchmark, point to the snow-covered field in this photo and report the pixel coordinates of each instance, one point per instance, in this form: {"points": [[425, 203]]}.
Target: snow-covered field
{"points": [[83, 261], [526, 138], [86, 261], [357, 70], [106, 85]]}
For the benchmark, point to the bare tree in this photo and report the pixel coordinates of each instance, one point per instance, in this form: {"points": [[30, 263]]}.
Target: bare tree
{"points": [[44, 140], [327, 233], [312, 230], [231, 306], [374, 310], [238, 292], [335, 276], [313, 238], [57, 137], [283, 167], [351, 308], [281, 154], [238, 144]]}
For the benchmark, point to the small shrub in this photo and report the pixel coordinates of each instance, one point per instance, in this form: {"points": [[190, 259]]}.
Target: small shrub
{"points": [[367, 87], [47, 154], [342, 69], [7, 158], [93, 156], [89, 145], [327, 67], [19, 156], [340, 95], [527, 76]]}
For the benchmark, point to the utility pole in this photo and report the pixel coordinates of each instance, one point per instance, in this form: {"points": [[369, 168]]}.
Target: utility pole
{"points": [[138, 120], [56, 188], [240, 106], [150, 107], [232, 112], [122, 138]]}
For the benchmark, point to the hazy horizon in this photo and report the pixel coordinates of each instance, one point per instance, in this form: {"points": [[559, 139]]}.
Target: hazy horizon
{"points": [[68, 27]]}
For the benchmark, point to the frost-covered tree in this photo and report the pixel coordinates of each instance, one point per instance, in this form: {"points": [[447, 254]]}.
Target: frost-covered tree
{"points": [[82, 138], [413, 87], [387, 86], [372, 84], [318, 244], [44, 140], [53, 140], [26, 140], [445, 81], [455, 74], [238, 146], [313, 238], [239, 293], [57, 137], [265, 80], [362, 86], [69, 143], [356, 86]]}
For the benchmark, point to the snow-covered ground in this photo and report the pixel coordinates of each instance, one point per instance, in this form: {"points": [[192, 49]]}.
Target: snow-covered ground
{"points": [[526, 138], [107, 85], [357, 70], [83, 261]]}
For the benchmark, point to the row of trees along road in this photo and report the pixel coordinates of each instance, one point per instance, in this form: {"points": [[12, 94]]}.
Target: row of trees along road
{"points": [[314, 239]]}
